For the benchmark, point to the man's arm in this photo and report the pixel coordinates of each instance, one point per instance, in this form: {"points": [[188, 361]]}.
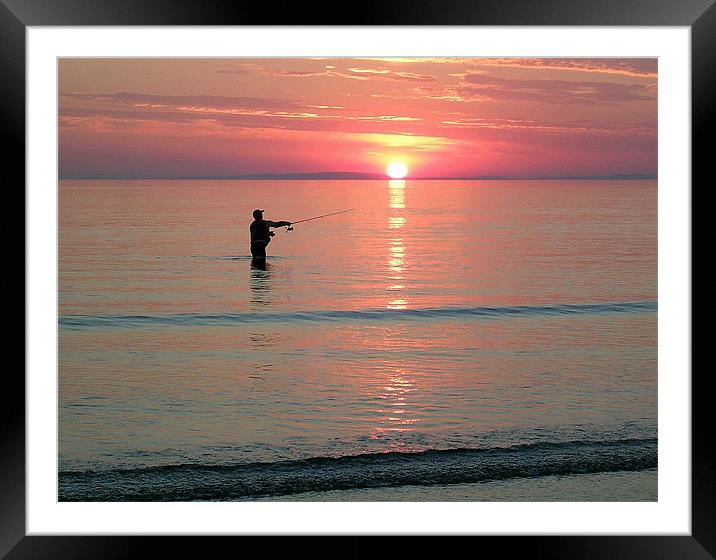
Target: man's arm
{"points": [[269, 223]]}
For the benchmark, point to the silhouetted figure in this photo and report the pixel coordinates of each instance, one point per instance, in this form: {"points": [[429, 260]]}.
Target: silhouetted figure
{"points": [[261, 236], [259, 263]]}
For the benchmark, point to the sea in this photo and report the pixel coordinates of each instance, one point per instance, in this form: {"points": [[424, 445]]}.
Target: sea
{"points": [[438, 340]]}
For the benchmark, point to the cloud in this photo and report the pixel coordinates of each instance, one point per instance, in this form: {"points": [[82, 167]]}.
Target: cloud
{"points": [[478, 87], [237, 71], [635, 67], [142, 99], [638, 67], [105, 112], [413, 77], [302, 74], [409, 141], [358, 74], [384, 74], [419, 60], [369, 71], [563, 128]]}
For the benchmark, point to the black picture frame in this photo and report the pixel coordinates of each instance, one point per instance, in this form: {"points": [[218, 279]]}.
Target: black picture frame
{"points": [[17, 15]]}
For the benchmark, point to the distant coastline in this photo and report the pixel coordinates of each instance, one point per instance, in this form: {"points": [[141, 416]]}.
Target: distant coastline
{"points": [[346, 176]]}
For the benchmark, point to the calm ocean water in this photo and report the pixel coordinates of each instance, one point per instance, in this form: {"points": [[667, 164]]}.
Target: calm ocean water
{"points": [[440, 333]]}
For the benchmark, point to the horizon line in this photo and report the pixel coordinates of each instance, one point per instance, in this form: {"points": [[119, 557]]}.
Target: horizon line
{"points": [[338, 175]]}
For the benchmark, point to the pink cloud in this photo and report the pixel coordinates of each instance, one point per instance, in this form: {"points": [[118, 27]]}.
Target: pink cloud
{"points": [[641, 67], [478, 87]]}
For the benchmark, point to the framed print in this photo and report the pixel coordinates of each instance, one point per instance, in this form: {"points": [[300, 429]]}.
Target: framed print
{"points": [[425, 272]]}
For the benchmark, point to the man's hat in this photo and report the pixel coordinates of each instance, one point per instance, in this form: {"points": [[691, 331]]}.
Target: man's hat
{"points": [[258, 214]]}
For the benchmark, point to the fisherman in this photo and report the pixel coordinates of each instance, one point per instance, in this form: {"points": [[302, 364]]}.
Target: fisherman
{"points": [[261, 234]]}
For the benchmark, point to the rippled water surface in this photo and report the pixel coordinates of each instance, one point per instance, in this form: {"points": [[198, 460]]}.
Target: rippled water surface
{"points": [[440, 332]]}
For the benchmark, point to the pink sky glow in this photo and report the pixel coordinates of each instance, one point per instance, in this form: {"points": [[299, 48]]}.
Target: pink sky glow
{"points": [[444, 117]]}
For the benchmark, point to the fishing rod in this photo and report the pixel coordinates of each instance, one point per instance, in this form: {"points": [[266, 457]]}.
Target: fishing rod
{"points": [[290, 228]]}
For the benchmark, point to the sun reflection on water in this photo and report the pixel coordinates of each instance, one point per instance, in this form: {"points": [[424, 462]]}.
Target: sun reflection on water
{"points": [[396, 412], [397, 193], [396, 222], [396, 252]]}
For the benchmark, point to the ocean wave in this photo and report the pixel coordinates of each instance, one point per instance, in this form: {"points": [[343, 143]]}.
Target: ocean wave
{"points": [[222, 482], [200, 319]]}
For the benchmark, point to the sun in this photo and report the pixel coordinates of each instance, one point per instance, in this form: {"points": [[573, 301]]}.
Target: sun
{"points": [[396, 170]]}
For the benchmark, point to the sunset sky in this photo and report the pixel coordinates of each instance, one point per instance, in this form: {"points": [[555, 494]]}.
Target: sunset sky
{"points": [[155, 118]]}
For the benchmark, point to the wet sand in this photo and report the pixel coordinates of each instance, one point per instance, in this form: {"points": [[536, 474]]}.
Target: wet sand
{"points": [[622, 486]]}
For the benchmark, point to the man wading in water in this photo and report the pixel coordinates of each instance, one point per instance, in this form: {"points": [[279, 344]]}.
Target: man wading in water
{"points": [[260, 234]]}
